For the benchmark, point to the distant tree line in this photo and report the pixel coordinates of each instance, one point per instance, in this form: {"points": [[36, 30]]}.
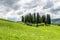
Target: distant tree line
{"points": [[36, 18]]}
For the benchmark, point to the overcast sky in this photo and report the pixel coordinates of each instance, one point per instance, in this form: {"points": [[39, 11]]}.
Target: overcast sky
{"points": [[14, 9]]}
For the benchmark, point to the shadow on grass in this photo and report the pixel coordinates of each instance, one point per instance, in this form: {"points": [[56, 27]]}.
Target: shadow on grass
{"points": [[37, 25]]}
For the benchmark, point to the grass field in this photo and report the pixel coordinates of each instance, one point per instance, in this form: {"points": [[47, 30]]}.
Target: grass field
{"points": [[20, 31]]}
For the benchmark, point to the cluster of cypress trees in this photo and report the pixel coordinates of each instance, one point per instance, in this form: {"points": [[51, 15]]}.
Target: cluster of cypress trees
{"points": [[36, 18]]}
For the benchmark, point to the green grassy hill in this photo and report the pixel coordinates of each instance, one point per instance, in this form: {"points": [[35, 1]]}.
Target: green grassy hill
{"points": [[20, 31]]}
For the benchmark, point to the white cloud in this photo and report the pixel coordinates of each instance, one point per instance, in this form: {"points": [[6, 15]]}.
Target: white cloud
{"points": [[14, 9]]}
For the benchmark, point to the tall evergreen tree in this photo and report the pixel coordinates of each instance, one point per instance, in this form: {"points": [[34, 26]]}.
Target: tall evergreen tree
{"points": [[43, 19], [48, 19], [25, 19], [30, 18], [38, 19], [34, 18], [22, 18]]}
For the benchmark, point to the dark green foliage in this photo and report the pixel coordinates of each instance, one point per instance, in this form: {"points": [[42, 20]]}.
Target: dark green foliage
{"points": [[38, 16], [48, 19], [22, 19], [43, 19], [36, 19], [25, 19], [40, 19], [30, 18]]}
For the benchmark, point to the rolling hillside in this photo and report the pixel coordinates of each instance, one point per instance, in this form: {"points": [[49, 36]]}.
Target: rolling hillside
{"points": [[56, 21], [19, 31]]}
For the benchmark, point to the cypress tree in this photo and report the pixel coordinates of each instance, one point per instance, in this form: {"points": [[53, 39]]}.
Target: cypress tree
{"points": [[22, 19], [34, 18], [25, 19], [48, 19], [38, 16], [40, 19], [30, 18], [43, 19]]}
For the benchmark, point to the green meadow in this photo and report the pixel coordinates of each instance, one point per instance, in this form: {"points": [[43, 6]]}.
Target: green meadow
{"points": [[20, 31]]}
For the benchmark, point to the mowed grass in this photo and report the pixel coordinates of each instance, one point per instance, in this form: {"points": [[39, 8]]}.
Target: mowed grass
{"points": [[20, 31]]}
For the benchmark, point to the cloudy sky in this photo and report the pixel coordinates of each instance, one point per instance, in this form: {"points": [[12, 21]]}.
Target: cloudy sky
{"points": [[14, 9]]}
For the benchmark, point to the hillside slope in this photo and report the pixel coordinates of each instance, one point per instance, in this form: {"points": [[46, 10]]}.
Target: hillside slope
{"points": [[56, 21], [20, 31]]}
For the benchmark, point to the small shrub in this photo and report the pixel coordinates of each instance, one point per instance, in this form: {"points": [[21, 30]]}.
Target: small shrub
{"points": [[30, 24], [42, 24]]}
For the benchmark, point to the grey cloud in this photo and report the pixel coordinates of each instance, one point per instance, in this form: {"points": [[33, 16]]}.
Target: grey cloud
{"points": [[30, 6], [49, 4], [33, 4], [10, 3], [4, 10], [13, 19], [55, 10], [19, 13]]}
